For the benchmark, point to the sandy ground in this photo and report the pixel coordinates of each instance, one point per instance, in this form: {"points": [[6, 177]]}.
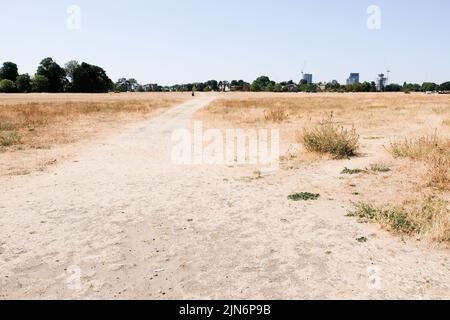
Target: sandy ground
{"points": [[120, 221]]}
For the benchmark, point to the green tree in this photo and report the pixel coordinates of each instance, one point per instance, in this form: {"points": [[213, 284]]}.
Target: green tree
{"points": [[429, 86], [255, 87], [70, 68], [7, 86], [270, 87], [308, 87], [278, 88], [412, 87], [366, 86], [122, 85], [40, 84], [9, 71], [23, 83], [54, 73], [393, 87], [240, 85], [261, 84], [445, 86], [199, 87], [90, 79], [134, 84], [213, 85]]}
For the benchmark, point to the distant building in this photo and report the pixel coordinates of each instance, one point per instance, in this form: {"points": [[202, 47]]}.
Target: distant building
{"points": [[353, 79], [308, 78], [381, 82]]}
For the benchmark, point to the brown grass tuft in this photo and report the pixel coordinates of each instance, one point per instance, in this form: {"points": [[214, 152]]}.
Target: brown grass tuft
{"points": [[419, 148], [276, 115], [447, 122], [434, 151], [330, 138], [438, 171]]}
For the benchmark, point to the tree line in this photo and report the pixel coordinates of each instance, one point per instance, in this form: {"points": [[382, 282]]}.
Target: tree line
{"points": [[51, 77], [87, 78], [265, 84]]}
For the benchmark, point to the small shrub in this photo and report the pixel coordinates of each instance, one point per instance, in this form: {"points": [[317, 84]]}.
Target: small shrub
{"points": [[331, 138], [395, 219], [276, 115], [429, 217], [352, 171], [379, 168], [9, 138], [304, 196], [362, 240]]}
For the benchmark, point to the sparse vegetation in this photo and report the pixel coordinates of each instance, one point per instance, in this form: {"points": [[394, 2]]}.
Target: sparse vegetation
{"points": [[447, 122], [432, 150], [5, 126], [429, 217], [362, 239], [351, 171], [304, 196], [419, 148], [20, 173], [276, 115], [9, 138], [438, 170], [379, 167], [330, 138], [40, 123]]}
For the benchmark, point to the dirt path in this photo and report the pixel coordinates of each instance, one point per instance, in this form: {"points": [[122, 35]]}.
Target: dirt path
{"points": [[120, 221]]}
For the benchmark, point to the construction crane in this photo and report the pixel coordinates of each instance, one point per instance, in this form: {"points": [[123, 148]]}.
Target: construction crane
{"points": [[303, 70]]}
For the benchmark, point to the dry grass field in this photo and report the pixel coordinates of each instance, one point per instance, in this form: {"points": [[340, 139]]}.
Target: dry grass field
{"points": [[407, 138], [34, 127], [362, 188]]}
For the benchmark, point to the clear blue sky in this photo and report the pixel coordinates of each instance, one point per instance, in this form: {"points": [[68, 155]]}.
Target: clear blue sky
{"points": [[174, 41]]}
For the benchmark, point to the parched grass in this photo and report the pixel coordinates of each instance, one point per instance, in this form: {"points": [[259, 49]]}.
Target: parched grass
{"points": [[419, 148], [429, 217], [446, 122], [33, 115], [438, 171], [29, 121], [330, 138], [276, 115], [6, 126], [434, 151], [9, 138]]}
